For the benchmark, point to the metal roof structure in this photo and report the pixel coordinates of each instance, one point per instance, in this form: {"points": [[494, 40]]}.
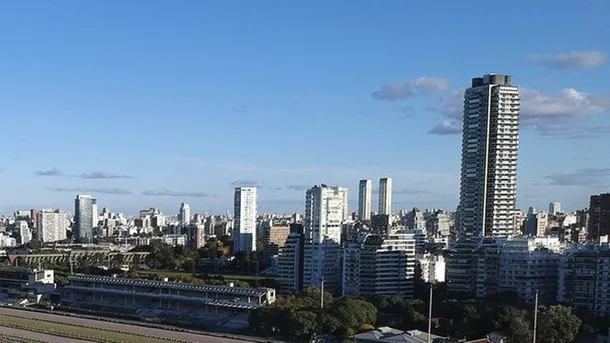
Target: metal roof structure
{"points": [[170, 285]]}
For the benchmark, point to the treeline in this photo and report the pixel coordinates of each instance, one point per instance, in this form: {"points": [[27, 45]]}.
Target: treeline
{"points": [[300, 316], [203, 279], [182, 258]]}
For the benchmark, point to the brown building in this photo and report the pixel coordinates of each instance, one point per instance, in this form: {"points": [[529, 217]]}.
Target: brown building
{"points": [[274, 238], [599, 216]]}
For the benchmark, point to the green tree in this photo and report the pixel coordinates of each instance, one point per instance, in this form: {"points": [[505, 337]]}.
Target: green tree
{"points": [[353, 313], [514, 322], [557, 325]]}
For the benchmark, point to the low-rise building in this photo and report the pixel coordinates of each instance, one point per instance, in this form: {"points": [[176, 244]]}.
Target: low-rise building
{"points": [[174, 302]]}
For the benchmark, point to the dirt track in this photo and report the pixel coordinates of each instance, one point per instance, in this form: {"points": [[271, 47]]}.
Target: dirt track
{"points": [[42, 337], [135, 329]]}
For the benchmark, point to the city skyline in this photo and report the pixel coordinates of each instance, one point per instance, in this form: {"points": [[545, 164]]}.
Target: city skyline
{"points": [[139, 106]]}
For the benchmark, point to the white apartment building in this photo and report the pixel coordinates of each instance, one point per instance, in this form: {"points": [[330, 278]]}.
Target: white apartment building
{"points": [[24, 231], [584, 278], [365, 192], [528, 265], [490, 144], [7, 241], [486, 266], [381, 265], [52, 225], [245, 219], [325, 210], [185, 214], [385, 196], [433, 268]]}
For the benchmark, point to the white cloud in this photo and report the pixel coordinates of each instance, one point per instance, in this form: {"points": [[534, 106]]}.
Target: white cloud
{"points": [[174, 193], [447, 127], [569, 102], [565, 113], [401, 90], [569, 60]]}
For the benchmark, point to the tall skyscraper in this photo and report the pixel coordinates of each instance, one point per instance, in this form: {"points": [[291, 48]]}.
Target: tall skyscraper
{"points": [[365, 189], [554, 208], [85, 213], [245, 219], [325, 211], [185, 214], [490, 144], [385, 195]]}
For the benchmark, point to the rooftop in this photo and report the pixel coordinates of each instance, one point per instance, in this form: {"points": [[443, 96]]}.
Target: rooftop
{"points": [[388, 334], [169, 284]]}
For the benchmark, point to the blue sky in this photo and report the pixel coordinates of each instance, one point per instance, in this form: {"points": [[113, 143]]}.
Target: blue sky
{"points": [[152, 103]]}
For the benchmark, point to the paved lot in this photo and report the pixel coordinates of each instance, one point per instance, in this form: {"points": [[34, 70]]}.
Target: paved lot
{"points": [[135, 329], [43, 337]]}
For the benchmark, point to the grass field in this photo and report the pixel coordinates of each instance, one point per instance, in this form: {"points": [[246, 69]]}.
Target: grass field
{"points": [[72, 331]]}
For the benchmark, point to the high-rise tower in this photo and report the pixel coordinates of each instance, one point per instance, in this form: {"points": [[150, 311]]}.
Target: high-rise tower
{"points": [[385, 196], [325, 211], [490, 144], [85, 216], [365, 190], [185, 214], [245, 219]]}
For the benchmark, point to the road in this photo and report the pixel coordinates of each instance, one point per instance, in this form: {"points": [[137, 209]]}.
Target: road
{"points": [[42, 337], [127, 328]]}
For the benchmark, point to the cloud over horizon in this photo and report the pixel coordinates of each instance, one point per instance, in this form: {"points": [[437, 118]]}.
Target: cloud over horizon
{"points": [[402, 90], [97, 175], [112, 191], [103, 175], [569, 60], [164, 192], [580, 177], [49, 172], [246, 183]]}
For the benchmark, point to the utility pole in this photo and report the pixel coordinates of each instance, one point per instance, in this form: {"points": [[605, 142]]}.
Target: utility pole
{"points": [[322, 294], [535, 317], [430, 317]]}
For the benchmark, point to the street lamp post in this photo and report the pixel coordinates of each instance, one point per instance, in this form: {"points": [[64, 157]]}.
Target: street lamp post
{"points": [[430, 317], [535, 316]]}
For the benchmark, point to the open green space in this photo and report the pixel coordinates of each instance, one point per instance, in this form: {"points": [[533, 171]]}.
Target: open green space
{"points": [[73, 331]]}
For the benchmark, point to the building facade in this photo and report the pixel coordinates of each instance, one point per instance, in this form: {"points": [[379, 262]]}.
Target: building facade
{"points": [[385, 196], [380, 265], [185, 214], [584, 276], [555, 208], [85, 216], [365, 192], [52, 225], [599, 216], [245, 219], [290, 261], [490, 144], [325, 211]]}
